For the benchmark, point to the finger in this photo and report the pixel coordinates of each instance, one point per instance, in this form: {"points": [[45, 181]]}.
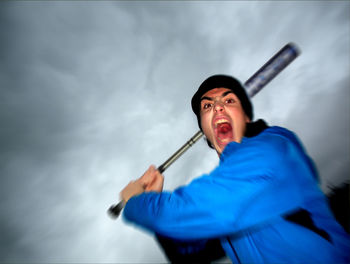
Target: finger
{"points": [[148, 176], [158, 175]]}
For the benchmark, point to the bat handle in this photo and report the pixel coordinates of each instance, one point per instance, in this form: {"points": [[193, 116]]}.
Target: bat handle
{"points": [[114, 210]]}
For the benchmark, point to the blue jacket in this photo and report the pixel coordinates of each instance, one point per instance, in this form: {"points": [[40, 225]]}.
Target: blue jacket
{"points": [[244, 202]]}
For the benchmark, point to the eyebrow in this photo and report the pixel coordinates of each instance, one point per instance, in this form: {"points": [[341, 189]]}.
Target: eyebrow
{"points": [[212, 98]]}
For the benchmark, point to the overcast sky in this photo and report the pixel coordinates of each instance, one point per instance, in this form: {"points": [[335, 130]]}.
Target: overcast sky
{"points": [[92, 93]]}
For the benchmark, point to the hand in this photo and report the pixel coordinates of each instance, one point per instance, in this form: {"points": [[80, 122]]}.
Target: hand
{"points": [[132, 189], [152, 180]]}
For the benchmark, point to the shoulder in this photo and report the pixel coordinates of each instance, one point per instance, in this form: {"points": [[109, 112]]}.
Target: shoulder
{"points": [[274, 137], [270, 140], [279, 145], [271, 145], [280, 132]]}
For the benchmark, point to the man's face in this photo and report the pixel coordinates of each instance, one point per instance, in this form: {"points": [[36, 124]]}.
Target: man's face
{"points": [[223, 119]]}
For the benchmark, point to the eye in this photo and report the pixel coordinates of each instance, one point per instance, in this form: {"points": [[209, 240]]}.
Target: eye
{"points": [[230, 101], [207, 105]]}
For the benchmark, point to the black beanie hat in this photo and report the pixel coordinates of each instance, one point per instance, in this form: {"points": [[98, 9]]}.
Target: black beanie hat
{"points": [[222, 81]]}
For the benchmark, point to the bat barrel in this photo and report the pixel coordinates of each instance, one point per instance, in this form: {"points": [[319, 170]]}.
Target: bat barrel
{"points": [[271, 68]]}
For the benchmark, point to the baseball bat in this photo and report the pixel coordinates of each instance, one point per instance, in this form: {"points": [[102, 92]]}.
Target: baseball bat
{"points": [[253, 85]]}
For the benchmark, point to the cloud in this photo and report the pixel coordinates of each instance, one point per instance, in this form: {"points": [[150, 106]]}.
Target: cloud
{"points": [[92, 93]]}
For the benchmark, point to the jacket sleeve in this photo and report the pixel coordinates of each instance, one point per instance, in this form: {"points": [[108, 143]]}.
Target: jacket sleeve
{"points": [[257, 182]]}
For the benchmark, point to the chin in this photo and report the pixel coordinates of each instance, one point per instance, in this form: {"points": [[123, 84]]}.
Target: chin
{"points": [[219, 150]]}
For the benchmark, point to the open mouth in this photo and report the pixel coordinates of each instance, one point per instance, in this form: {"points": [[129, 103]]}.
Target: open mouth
{"points": [[223, 131]]}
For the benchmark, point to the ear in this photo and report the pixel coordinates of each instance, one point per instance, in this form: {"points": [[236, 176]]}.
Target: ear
{"points": [[247, 119]]}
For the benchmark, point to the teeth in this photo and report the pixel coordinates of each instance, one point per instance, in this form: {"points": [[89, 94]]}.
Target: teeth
{"points": [[220, 121]]}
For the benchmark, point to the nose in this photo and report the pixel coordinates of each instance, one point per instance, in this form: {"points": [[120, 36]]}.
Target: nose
{"points": [[218, 106]]}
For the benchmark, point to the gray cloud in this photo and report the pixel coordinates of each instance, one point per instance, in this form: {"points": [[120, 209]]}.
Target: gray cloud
{"points": [[92, 93]]}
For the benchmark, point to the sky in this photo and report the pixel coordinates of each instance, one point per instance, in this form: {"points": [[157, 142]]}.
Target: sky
{"points": [[92, 93]]}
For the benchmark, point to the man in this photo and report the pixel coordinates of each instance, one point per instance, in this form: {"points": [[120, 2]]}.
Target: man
{"points": [[262, 204]]}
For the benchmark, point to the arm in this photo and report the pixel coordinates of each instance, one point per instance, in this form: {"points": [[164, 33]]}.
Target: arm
{"points": [[254, 185], [199, 251]]}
